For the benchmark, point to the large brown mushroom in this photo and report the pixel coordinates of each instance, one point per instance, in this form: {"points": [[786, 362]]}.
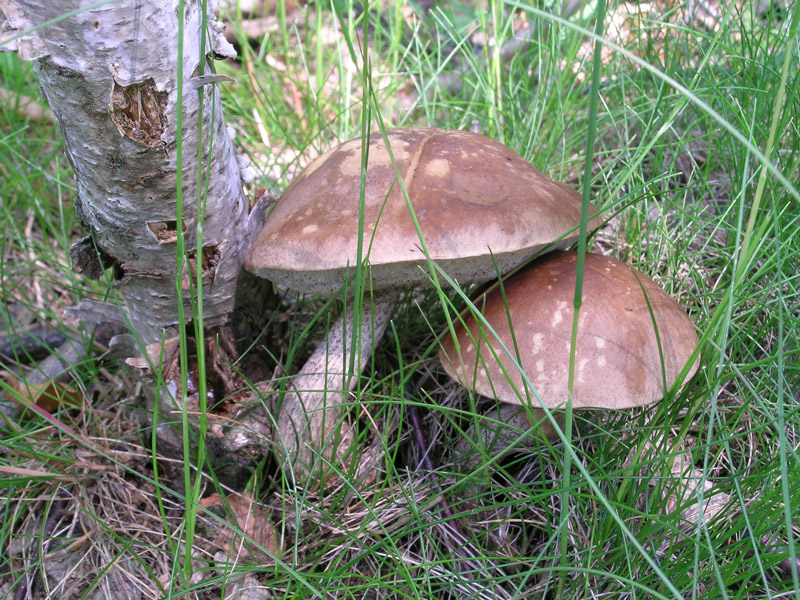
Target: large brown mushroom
{"points": [[478, 204], [633, 340]]}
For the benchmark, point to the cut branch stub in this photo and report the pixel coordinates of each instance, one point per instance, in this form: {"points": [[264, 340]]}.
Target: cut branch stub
{"points": [[138, 111]]}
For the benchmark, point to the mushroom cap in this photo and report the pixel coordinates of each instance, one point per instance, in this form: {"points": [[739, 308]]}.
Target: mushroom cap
{"points": [[617, 361], [473, 197]]}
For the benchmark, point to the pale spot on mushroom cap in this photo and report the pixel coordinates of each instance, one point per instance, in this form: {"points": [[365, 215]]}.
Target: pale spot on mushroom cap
{"points": [[599, 342], [537, 343], [557, 317], [601, 360], [581, 366], [540, 365], [378, 155], [310, 228], [438, 167]]}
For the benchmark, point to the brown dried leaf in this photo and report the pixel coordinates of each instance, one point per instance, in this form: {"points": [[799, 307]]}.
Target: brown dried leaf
{"points": [[49, 396], [686, 478], [167, 358], [680, 491], [260, 537]]}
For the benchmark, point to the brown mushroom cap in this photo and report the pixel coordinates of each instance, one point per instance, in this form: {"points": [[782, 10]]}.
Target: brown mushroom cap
{"points": [[471, 195], [617, 362]]}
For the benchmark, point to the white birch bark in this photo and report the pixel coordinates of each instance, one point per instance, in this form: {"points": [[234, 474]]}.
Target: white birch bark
{"points": [[110, 76]]}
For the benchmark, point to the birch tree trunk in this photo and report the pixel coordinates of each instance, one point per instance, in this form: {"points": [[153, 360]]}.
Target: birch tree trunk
{"points": [[110, 76]]}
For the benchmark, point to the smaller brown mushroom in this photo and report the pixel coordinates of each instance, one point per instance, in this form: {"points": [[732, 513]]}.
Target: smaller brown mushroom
{"points": [[633, 340]]}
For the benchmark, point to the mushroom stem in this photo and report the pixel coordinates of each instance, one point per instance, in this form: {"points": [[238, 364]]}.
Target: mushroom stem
{"points": [[309, 426]]}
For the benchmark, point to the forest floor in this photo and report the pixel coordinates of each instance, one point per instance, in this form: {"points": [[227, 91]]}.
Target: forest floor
{"points": [[694, 173]]}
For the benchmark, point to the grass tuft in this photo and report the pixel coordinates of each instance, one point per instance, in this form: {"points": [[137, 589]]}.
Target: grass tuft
{"points": [[694, 168]]}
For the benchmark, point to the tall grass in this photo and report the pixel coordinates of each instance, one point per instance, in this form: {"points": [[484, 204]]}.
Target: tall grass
{"points": [[693, 169]]}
